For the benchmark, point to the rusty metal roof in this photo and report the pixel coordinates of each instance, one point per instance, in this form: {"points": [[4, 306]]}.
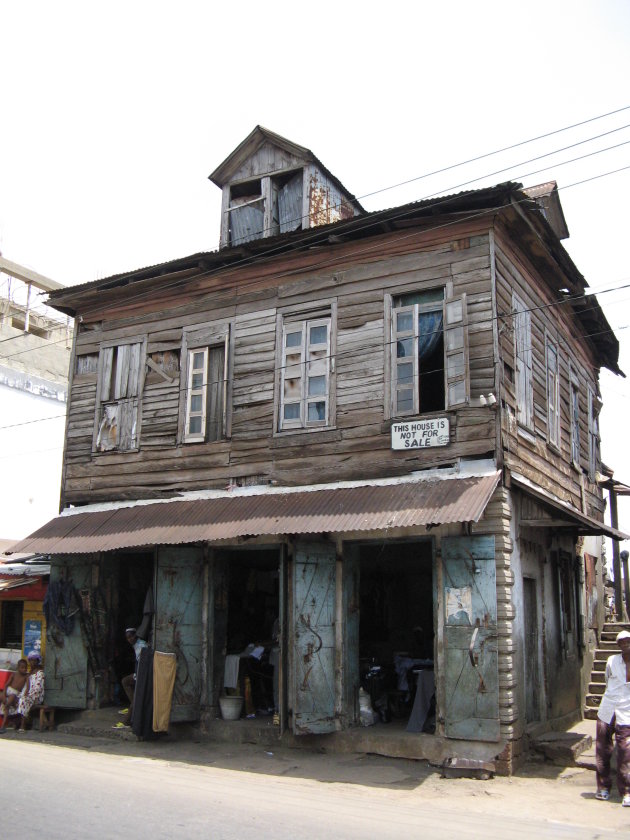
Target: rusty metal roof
{"points": [[367, 507]]}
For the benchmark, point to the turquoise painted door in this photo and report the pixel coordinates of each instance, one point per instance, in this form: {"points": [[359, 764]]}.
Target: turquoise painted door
{"points": [[178, 629], [470, 638], [66, 662], [313, 634]]}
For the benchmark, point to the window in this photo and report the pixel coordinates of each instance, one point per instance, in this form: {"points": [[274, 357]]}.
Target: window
{"points": [[118, 391], [523, 359], [429, 352], [574, 410], [206, 393], [265, 207], [594, 405], [305, 374], [553, 394]]}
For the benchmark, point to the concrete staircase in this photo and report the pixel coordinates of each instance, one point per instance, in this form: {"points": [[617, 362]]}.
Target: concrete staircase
{"points": [[607, 646]]}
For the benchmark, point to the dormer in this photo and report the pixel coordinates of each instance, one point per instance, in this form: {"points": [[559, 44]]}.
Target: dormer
{"points": [[272, 186]]}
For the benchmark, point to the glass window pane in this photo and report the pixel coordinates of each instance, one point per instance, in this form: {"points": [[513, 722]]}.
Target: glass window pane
{"points": [[456, 393], [197, 381], [293, 339], [404, 348], [316, 411], [292, 411], [316, 386], [454, 338], [404, 400], [194, 426], [198, 361], [456, 365], [195, 403], [405, 373], [292, 388], [404, 322], [318, 334]]}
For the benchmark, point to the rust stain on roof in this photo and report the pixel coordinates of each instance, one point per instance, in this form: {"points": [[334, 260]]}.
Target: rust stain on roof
{"points": [[330, 510]]}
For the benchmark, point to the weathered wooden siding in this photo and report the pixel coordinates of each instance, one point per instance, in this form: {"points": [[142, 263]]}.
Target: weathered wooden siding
{"points": [[252, 299], [530, 454]]}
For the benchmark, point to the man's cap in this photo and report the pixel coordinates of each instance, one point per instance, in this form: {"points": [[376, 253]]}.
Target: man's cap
{"points": [[34, 655], [133, 630], [623, 635]]}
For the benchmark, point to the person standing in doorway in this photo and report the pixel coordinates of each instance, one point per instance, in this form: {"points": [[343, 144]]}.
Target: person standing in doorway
{"points": [[613, 719], [129, 682]]}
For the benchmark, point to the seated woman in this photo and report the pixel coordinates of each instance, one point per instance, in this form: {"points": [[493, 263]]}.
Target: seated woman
{"points": [[10, 695], [34, 691]]}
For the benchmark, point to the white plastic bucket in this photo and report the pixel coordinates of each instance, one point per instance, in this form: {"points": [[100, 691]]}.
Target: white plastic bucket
{"points": [[231, 707]]}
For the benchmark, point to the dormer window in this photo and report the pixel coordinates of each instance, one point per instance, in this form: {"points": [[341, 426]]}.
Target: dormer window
{"points": [[265, 207]]}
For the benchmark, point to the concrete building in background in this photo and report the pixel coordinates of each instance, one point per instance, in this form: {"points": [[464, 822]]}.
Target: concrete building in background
{"points": [[35, 345]]}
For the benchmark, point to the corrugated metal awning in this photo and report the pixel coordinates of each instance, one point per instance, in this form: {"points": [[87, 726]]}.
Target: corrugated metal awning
{"points": [[364, 507], [570, 517], [16, 582]]}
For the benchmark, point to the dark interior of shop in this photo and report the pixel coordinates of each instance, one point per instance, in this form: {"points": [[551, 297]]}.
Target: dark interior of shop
{"points": [[396, 631]]}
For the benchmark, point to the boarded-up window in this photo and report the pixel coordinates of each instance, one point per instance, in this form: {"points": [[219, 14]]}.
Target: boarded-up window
{"points": [[206, 392], [429, 353], [119, 386], [305, 374], [523, 363], [553, 394], [85, 364]]}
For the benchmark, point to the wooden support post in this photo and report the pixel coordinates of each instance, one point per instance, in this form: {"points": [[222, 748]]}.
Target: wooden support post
{"points": [[616, 561]]}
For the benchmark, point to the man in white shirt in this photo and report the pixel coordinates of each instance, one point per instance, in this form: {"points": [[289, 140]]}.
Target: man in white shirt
{"points": [[613, 718]]}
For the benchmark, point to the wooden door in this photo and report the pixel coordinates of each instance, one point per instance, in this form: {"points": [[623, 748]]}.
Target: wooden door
{"points": [[313, 636], [178, 628], [531, 652], [66, 662], [470, 638]]}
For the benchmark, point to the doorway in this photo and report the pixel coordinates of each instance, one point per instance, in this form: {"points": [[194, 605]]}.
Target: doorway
{"points": [[396, 635], [532, 667], [248, 618]]}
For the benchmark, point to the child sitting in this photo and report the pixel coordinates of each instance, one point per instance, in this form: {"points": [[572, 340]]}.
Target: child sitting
{"points": [[12, 692]]}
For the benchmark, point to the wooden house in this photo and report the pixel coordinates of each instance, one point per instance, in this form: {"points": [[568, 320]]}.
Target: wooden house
{"points": [[378, 428]]}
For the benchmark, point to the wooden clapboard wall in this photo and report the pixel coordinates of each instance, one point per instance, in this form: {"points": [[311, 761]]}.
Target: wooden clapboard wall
{"points": [[252, 299], [531, 454]]}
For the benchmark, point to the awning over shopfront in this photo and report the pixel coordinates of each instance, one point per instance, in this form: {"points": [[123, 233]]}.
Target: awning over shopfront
{"points": [[251, 512], [562, 515]]}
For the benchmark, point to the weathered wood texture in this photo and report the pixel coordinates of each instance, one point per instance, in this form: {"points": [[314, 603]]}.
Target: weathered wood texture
{"points": [[528, 451], [358, 445]]}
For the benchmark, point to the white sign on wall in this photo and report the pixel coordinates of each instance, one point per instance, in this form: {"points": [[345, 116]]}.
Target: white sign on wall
{"points": [[418, 434]]}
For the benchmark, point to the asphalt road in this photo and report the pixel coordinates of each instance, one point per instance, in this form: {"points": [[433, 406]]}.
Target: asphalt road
{"points": [[52, 791]]}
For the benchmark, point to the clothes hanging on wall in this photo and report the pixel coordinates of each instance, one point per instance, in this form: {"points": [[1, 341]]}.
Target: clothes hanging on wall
{"points": [[164, 670], [142, 718]]}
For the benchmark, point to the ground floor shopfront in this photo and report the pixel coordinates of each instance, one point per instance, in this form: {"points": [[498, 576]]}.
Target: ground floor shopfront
{"points": [[459, 637]]}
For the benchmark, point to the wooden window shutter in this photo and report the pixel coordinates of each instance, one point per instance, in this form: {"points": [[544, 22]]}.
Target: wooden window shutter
{"points": [[456, 364]]}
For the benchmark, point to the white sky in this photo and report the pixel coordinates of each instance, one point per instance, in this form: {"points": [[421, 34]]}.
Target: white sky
{"points": [[114, 115]]}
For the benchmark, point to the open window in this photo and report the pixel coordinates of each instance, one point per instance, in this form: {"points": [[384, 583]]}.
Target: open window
{"points": [[265, 207], [118, 396], [429, 353], [206, 385]]}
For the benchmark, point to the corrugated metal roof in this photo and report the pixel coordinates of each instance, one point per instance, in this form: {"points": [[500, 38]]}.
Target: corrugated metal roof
{"points": [[331, 510]]}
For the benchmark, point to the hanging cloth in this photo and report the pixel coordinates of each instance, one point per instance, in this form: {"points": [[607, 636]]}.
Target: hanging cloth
{"points": [[429, 332], [164, 670]]}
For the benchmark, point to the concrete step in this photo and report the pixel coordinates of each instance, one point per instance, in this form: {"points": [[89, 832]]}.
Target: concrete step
{"points": [[593, 699], [597, 688], [590, 713], [599, 665], [562, 748], [598, 677]]}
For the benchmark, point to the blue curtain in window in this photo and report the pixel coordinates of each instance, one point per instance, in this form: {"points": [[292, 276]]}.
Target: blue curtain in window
{"points": [[429, 332]]}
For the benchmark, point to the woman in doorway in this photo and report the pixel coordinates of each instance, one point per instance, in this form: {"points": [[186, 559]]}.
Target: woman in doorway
{"points": [[613, 719], [34, 691]]}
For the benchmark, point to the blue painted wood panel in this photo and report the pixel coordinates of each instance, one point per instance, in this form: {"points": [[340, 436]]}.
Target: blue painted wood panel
{"points": [[179, 589], [66, 662], [470, 638], [313, 634]]}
